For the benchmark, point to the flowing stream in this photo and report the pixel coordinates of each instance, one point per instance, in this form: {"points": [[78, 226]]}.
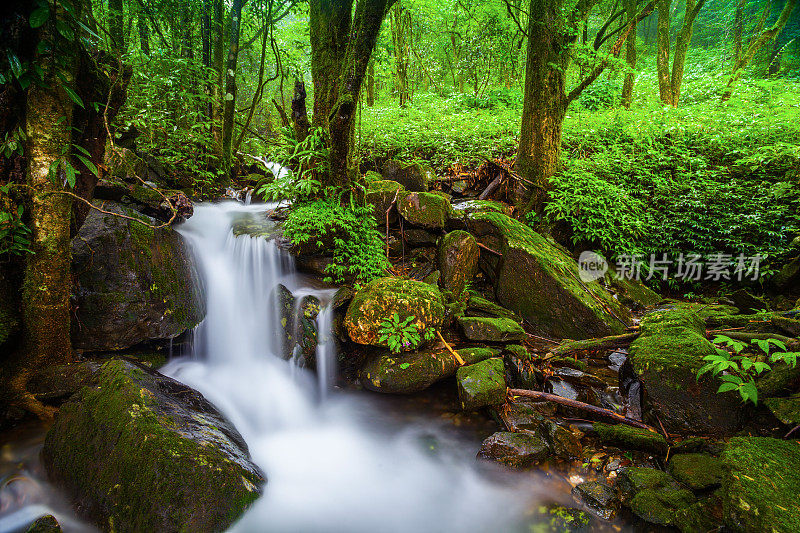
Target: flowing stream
{"points": [[331, 464]]}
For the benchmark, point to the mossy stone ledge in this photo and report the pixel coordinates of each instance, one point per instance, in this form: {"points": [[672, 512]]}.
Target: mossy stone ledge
{"points": [[457, 256], [491, 329], [482, 384], [630, 437], [542, 284], [425, 209], [138, 451], [515, 450]]}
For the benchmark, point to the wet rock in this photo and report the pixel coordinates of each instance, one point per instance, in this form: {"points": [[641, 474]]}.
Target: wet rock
{"points": [[696, 445], [458, 256], [700, 517], [695, 470], [413, 176], [579, 378], [304, 351], [635, 479], [515, 450], [746, 302], [660, 506], [133, 283], [760, 484], [383, 196], [420, 237], [425, 209], [599, 497], [284, 301], [476, 354], [558, 519], [562, 388], [523, 373], [56, 383], [787, 410], [408, 372], [632, 292], [255, 225], [666, 357], [383, 297], [542, 283], [478, 306], [563, 443], [523, 415], [482, 384], [628, 437], [491, 329], [44, 524], [481, 206], [139, 451], [144, 198], [790, 326]]}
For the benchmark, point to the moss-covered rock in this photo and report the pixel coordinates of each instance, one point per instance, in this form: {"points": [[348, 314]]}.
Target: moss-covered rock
{"points": [[481, 384], [515, 450], [139, 451], [479, 306], [491, 329], [636, 479], [458, 256], [633, 293], [542, 284], [563, 442], [598, 496], [481, 206], [133, 283], [667, 356], [760, 484], [382, 195], [660, 506], [424, 209], [44, 524], [408, 372], [414, 176], [559, 519], [524, 374], [697, 471], [627, 437], [381, 298], [701, 517], [787, 410]]}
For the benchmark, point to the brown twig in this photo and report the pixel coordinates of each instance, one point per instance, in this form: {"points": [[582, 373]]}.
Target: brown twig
{"points": [[449, 349], [495, 252]]}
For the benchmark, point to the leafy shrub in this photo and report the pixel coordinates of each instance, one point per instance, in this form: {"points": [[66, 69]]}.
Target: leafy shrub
{"points": [[14, 234], [601, 94], [402, 335]]}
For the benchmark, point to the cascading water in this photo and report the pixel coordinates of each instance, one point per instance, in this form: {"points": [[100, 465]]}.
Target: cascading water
{"points": [[331, 464]]}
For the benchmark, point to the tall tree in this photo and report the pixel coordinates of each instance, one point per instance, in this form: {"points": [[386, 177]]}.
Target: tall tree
{"points": [[116, 25], [552, 31], [756, 44], [230, 83], [218, 65], [342, 40], [400, 18], [669, 84], [630, 54]]}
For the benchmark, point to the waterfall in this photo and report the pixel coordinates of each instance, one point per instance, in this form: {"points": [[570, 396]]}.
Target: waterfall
{"points": [[333, 462]]}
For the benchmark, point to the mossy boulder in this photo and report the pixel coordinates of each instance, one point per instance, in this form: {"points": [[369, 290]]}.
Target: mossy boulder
{"points": [[632, 292], [598, 496], [666, 356], [414, 176], [133, 283], [424, 209], [635, 479], [563, 443], [408, 372], [138, 451], [45, 524], [382, 194], [491, 329], [515, 450], [481, 384], [660, 506], [627, 437], [559, 519], [458, 256], [787, 410], [480, 306], [541, 283], [760, 485], [697, 471], [468, 207], [381, 298]]}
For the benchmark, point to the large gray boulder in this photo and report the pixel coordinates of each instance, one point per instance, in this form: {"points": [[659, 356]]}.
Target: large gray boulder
{"points": [[138, 451], [133, 283]]}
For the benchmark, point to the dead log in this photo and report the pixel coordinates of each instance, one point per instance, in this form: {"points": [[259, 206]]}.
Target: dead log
{"points": [[492, 187], [601, 343], [536, 395]]}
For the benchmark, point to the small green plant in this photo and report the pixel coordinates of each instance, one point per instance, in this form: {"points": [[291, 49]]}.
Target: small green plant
{"points": [[738, 370], [403, 335], [14, 234]]}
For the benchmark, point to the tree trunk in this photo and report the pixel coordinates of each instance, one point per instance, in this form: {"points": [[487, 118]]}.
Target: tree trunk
{"points": [[371, 84], [143, 30], [544, 105], [662, 54], [218, 47], [401, 30], [299, 113], [46, 286], [630, 54], [329, 25], [230, 85], [693, 7], [116, 26], [757, 43]]}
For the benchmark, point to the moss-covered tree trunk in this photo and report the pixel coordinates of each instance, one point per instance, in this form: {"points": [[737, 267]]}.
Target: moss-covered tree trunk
{"points": [[46, 285], [630, 54], [693, 7], [218, 64], [116, 25], [755, 45], [662, 53], [229, 99], [401, 37], [329, 25]]}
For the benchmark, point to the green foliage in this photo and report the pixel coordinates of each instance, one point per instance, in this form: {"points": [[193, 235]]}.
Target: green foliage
{"points": [[357, 246], [403, 335], [311, 158], [602, 94], [14, 234], [737, 370]]}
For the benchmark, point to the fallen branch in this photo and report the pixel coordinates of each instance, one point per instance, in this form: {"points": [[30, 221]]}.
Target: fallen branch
{"points": [[536, 395], [449, 349], [600, 343], [495, 252], [492, 187]]}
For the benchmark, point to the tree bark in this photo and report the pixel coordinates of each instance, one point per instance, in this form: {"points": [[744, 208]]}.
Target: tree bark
{"points": [[144, 31], [693, 8], [116, 25], [662, 53], [230, 85], [763, 38], [218, 47], [401, 30], [299, 113], [371, 84], [630, 55], [329, 25]]}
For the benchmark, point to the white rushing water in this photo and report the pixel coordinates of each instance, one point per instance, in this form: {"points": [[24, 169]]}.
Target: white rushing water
{"points": [[331, 465]]}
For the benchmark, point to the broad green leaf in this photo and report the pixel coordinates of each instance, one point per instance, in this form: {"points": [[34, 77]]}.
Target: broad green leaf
{"points": [[39, 16]]}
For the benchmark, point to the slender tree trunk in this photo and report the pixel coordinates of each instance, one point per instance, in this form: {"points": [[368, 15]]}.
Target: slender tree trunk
{"points": [[544, 105], [299, 113], [401, 35], [218, 47], [693, 7], [756, 44], [662, 54], [116, 26], [46, 286], [738, 24], [630, 54], [329, 25], [371, 84], [205, 37], [230, 84]]}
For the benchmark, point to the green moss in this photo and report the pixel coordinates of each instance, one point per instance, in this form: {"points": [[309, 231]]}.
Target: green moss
{"points": [[558, 519], [630, 437], [577, 364], [635, 479], [787, 410], [407, 373], [424, 209], [659, 506], [383, 185], [479, 306], [760, 484], [477, 354], [696, 470], [671, 338], [478, 206], [491, 329], [482, 384], [128, 461]]}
